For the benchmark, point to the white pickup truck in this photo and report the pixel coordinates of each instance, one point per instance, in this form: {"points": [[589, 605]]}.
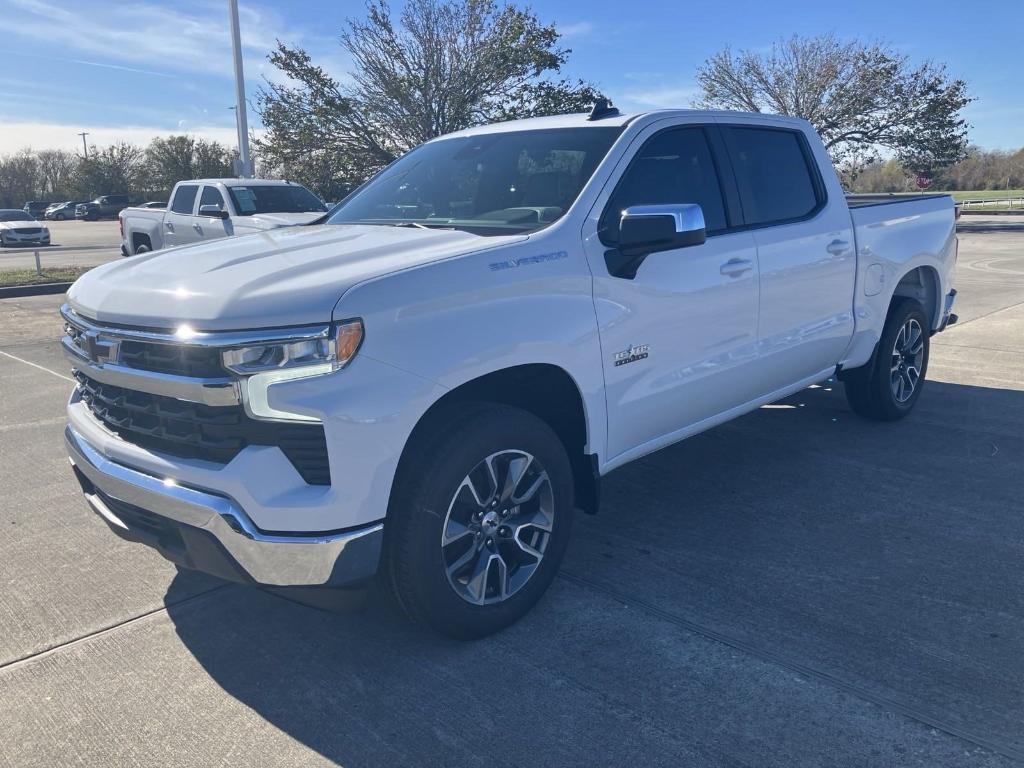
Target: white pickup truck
{"points": [[428, 384], [204, 209]]}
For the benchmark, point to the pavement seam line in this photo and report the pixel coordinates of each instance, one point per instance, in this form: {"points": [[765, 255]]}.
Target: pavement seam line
{"points": [[15, 663], [982, 317], [996, 746], [36, 365]]}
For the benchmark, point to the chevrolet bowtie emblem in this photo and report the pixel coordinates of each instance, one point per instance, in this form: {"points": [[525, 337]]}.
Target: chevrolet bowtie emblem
{"points": [[98, 349]]}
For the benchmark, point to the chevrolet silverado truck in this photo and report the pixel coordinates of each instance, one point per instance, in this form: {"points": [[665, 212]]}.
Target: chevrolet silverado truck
{"points": [[205, 209], [423, 387]]}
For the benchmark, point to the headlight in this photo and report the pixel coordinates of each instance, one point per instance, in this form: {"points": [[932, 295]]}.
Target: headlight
{"points": [[275, 361]]}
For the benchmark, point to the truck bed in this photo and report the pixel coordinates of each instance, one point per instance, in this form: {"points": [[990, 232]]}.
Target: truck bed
{"points": [[864, 200]]}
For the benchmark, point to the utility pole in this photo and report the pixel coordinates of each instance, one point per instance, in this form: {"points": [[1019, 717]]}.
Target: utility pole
{"points": [[244, 163], [85, 151]]}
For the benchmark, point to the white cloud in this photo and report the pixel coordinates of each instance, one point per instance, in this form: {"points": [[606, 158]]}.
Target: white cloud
{"points": [[576, 29], [18, 135]]}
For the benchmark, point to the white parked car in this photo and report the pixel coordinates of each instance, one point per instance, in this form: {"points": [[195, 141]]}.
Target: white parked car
{"points": [[20, 228], [427, 385], [204, 209]]}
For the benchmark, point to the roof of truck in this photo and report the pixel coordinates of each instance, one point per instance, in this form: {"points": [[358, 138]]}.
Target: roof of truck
{"points": [[582, 120], [235, 182]]}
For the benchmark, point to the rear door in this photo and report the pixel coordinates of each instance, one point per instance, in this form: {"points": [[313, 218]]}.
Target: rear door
{"points": [[178, 218], [805, 251], [679, 337]]}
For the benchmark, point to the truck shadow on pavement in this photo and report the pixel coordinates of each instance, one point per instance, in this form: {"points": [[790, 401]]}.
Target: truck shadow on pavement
{"points": [[779, 572]]}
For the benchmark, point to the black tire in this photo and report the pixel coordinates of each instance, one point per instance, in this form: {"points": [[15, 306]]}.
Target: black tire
{"points": [[430, 485], [142, 248], [870, 390], [59, 217]]}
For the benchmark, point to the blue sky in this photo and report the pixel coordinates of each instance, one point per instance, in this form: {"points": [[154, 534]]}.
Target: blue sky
{"points": [[130, 70]]}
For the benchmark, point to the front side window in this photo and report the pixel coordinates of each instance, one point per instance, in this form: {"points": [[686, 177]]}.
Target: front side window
{"points": [[772, 173], [489, 184], [212, 196], [671, 168], [184, 199], [278, 198]]}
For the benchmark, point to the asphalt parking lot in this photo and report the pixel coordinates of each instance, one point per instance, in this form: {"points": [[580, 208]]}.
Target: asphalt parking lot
{"points": [[72, 243], [797, 587]]}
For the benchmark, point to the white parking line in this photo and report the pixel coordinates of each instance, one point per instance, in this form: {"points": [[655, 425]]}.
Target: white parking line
{"points": [[36, 365]]}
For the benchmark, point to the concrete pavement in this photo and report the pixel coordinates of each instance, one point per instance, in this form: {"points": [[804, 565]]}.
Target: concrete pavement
{"points": [[798, 587]]}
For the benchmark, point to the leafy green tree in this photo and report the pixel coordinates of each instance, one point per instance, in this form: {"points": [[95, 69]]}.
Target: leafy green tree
{"points": [[862, 98], [440, 66], [115, 169], [175, 158]]}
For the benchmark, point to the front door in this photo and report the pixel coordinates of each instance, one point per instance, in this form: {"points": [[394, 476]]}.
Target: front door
{"points": [[678, 339]]}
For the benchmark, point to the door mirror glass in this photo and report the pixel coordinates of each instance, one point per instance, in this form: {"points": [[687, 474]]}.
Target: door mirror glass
{"points": [[213, 211]]}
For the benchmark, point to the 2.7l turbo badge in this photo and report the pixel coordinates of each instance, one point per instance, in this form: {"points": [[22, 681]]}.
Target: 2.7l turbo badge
{"points": [[631, 354]]}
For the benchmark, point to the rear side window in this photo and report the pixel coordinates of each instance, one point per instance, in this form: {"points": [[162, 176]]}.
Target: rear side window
{"points": [[184, 199], [672, 167], [776, 182], [212, 196]]}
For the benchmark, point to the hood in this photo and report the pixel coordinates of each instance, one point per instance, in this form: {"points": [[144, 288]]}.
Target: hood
{"points": [[272, 220], [291, 276], [20, 224]]}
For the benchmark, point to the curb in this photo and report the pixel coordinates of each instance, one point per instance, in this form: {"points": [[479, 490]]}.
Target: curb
{"points": [[969, 212], [40, 289]]}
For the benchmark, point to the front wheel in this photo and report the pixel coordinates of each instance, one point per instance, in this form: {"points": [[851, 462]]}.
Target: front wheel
{"points": [[479, 521], [60, 217], [888, 388]]}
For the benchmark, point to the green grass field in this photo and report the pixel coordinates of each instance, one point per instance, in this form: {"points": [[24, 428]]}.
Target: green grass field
{"points": [[982, 194], [10, 277]]}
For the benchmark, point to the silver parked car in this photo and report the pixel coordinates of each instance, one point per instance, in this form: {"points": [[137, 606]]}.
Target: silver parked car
{"points": [[62, 211]]}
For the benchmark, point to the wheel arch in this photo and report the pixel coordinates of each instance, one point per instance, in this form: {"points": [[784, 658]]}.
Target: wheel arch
{"points": [[543, 389], [920, 283]]}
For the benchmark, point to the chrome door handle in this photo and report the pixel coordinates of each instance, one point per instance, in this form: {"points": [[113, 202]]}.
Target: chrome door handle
{"points": [[197, 228], [837, 247], [736, 267], [170, 227]]}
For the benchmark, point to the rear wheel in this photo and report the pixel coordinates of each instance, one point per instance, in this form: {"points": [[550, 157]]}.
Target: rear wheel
{"points": [[60, 216], [479, 521], [888, 388], [142, 248]]}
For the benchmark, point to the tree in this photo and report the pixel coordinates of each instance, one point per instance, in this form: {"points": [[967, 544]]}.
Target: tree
{"points": [[56, 174], [113, 170], [861, 98], [441, 66], [19, 179], [172, 159]]}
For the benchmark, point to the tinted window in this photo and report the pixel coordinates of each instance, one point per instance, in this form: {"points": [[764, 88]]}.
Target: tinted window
{"points": [[184, 199], [488, 184], [671, 168], [278, 198], [212, 196], [774, 179]]}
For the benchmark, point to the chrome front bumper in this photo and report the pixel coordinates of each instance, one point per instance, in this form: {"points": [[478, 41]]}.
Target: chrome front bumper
{"points": [[212, 533]]}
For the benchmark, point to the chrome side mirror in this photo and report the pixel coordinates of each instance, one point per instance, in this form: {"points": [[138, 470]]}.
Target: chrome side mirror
{"points": [[213, 211], [647, 229]]}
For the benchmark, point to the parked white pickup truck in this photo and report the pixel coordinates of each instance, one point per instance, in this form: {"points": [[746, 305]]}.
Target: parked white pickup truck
{"points": [[428, 384], [205, 209]]}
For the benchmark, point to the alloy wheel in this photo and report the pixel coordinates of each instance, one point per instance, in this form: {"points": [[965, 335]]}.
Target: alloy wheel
{"points": [[907, 360], [497, 527]]}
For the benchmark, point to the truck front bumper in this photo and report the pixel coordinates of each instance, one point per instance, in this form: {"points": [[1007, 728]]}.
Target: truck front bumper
{"points": [[211, 533]]}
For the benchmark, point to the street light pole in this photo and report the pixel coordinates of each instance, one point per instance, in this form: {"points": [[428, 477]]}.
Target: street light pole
{"points": [[245, 165], [85, 151]]}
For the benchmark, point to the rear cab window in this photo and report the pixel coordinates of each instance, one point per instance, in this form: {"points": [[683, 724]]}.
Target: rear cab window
{"points": [[184, 199], [777, 179]]}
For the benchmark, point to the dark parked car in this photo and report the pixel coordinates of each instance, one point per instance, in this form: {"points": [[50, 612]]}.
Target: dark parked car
{"points": [[36, 208], [62, 211], [103, 207]]}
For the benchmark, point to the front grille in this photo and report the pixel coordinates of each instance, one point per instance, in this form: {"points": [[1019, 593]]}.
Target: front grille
{"points": [[28, 231], [193, 430], [198, 362]]}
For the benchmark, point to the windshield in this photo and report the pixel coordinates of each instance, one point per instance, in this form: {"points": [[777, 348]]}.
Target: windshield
{"points": [[15, 216], [264, 198], [494, 183]]}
